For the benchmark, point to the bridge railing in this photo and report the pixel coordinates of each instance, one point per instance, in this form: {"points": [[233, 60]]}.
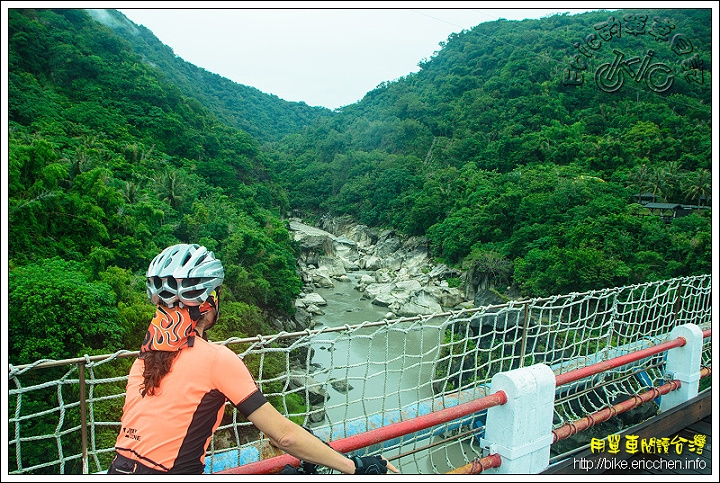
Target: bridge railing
{"points": [[521, 435], [64, 416], [533, 391]]}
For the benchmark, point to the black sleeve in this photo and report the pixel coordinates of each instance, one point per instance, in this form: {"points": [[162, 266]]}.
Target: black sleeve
{"points": [[251, 403]]}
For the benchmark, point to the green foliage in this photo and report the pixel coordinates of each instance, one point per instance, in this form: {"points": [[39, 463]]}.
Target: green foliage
{"points": [[238, 320], [117, 148], [454, 282], [491, 263], [559, 270], [260, 265], [55, 312], [509, 159], [135, 310], [109, 163]]}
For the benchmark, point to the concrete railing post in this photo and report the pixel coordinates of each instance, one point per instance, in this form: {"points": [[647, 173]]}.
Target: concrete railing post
{"points": [[520, 431], [683, 363]]}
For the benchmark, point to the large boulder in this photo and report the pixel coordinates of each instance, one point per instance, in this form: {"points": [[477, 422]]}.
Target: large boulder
{"points": [[408, 286], [333, 267], [310, 298], [419, 306], [375, 289], [446, 296], [346, 226], [364, 236], [313, 243], [300, 383], [387, 244], [371, 263]]}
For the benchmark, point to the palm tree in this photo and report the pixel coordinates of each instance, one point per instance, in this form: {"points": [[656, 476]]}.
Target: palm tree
{"points": [[640, 178], [130, 191], [171, 188], [664, 180], [671, 180], [698, 186]]}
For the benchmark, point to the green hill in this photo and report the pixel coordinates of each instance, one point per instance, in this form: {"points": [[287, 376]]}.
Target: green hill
{"points": [[516, 158], [520, 150], [109, 163]]}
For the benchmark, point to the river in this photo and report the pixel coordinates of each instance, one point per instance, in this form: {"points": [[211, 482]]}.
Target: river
{"points": [[393, 359]]}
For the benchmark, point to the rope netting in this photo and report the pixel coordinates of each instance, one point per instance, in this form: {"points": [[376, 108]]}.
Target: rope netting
{"points": [[342, 381]]}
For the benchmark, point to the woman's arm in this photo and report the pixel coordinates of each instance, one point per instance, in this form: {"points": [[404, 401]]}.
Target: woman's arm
{"points": [[297, 441]]}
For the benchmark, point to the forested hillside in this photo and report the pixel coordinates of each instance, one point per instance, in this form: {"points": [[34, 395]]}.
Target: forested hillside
{"points": [[109, 163], [505, 150], [518, 161]]}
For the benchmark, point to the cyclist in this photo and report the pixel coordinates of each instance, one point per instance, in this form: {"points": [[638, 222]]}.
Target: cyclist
{"points": [[178, 386]]}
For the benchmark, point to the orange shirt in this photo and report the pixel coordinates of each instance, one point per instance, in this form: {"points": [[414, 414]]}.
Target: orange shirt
{"points": [[171, 430]]}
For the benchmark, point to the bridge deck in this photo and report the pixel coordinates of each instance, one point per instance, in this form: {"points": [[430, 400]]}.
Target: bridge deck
{"points": [[687, 420]]}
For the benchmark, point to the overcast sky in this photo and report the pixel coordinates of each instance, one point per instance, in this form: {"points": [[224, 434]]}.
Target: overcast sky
{"points": [[328, 57]]}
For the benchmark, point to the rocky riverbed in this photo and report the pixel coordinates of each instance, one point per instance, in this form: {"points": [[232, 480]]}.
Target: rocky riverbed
{"points": [[401, 275]]}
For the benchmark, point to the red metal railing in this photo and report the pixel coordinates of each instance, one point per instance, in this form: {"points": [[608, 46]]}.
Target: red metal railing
{"points": [[599, 367], [573, 427], [567, 430], [478, 465]]}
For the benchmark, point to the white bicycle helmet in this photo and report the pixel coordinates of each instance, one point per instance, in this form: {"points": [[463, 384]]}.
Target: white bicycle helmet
{"points": [[184, 274]]}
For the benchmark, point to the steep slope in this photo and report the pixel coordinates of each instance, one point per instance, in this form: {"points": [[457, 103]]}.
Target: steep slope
{"points": [[265, 116], [108, 163]]}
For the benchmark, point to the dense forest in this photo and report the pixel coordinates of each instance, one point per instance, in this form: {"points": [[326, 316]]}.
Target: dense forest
{"points": [[497, 153], [520, 149]]}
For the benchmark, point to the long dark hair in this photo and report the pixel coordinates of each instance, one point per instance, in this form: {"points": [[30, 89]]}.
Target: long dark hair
{"points": [[157, 365]]}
